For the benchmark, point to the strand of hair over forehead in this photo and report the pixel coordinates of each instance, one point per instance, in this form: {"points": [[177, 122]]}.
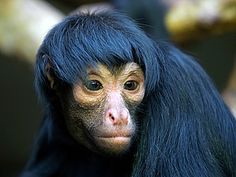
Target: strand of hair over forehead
{"points": [[83, 40]]}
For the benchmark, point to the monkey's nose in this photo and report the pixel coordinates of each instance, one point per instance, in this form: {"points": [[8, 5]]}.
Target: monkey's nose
{"points": [[117, 117]]}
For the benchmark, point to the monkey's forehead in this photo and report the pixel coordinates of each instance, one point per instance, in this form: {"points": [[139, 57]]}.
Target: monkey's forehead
{"points": [[124, 69]]}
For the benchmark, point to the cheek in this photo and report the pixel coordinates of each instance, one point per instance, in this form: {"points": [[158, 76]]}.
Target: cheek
{"points": [[80, 120]]}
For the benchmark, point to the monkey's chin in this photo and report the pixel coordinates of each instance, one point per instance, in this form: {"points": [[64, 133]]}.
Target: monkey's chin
{"points": [[114, 145]]}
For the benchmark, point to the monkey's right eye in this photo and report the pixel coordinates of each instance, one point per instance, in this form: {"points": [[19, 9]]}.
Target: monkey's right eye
{"points": [[93, 85]]}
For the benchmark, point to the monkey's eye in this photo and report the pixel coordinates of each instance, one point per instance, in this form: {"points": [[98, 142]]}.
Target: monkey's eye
{"points": [[131, 85], [93, 85]]}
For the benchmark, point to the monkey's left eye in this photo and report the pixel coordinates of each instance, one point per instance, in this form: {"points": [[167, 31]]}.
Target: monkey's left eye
{"points": [[131, 85], [93, 85]]}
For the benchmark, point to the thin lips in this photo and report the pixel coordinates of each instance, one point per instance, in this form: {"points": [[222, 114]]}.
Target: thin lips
{"points": [[115, 135]]}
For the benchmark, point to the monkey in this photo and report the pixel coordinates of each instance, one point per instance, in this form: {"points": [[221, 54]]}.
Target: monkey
{"points": [[117, 103]]}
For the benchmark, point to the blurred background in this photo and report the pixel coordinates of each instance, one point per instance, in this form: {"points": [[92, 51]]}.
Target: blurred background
{"points": [[205, 29]]}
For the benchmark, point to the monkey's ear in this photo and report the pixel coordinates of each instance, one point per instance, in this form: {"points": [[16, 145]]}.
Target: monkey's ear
{"points": [[49, 75], [48, 72]]}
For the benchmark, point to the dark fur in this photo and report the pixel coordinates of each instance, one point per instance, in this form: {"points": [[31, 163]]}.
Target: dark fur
{"points": [[186, 130]]}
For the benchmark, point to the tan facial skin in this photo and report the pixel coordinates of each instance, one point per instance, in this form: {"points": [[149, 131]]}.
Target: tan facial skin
{"points": [[101, 113]]}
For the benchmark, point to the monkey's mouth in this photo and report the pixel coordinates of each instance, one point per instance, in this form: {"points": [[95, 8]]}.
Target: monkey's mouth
{"points": [[115, 138], [114, 144], [118, 139]]}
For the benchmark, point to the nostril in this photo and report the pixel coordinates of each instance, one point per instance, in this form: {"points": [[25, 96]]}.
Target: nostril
{"points": [[111, 117]]}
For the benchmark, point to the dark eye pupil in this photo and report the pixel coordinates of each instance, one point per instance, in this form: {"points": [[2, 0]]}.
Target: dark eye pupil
{"points": [[93, 85], [130, 85]]}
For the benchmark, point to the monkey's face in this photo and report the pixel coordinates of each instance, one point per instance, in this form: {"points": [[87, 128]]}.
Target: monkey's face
{"points": [[101, 111]]}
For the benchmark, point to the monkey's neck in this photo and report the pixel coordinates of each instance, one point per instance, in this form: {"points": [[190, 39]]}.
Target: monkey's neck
{"points": [[89, 164]]}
